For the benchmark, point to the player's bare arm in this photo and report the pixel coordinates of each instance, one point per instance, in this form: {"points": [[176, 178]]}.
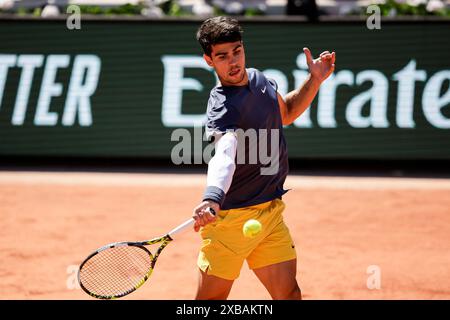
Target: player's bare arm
{"points": [[297, 101]]}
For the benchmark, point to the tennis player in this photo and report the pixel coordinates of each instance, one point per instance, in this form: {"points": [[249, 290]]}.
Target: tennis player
{"points": [[244, 100]]}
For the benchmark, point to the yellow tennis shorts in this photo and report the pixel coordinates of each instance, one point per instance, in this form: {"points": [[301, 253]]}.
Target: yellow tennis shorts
{"points": [[225, 247]]}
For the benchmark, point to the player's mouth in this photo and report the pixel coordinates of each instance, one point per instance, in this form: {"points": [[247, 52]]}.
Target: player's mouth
{"points": [[234, 72]]}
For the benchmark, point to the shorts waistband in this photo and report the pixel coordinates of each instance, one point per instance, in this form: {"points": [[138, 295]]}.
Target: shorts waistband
{"points": [[259, 206]]}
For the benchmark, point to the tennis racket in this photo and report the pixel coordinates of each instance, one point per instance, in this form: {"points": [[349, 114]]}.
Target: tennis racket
{"points": [[117, 269]]}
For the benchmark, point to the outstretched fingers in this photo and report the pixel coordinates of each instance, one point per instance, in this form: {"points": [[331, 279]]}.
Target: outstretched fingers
{"points": [[308, 55]]}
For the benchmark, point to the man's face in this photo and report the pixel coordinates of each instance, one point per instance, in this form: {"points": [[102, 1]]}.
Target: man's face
{"points": [[228, 59]]}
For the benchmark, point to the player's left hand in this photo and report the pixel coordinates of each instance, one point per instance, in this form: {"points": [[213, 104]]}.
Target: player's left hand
{"points": [[322, 67]]}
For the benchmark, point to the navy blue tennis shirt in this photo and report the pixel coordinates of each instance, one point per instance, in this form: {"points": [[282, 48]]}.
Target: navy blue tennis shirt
{"points": [[250, 107]]}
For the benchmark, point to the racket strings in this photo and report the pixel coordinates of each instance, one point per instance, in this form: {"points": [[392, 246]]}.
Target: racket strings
{"points": [[115, 271]]}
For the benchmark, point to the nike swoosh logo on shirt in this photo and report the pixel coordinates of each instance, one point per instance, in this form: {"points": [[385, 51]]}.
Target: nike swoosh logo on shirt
{"points": [[263, 90]]}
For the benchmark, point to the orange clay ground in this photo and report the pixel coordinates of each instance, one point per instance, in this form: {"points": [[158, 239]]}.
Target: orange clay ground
{"points": [[50, 221]]}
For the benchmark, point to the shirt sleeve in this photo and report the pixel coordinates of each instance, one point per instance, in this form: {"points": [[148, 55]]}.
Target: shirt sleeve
{"points": [[221, 117], [273, 84], [221, 169]]}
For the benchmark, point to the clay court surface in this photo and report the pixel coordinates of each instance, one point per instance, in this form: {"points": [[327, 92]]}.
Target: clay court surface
{"points": [[341, 226]]}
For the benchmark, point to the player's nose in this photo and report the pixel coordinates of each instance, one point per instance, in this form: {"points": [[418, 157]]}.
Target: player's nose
{"points": [[233, 61]]}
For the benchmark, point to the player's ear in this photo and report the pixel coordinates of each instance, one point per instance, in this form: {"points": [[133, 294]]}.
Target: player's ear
{"points": [[208, 60]]}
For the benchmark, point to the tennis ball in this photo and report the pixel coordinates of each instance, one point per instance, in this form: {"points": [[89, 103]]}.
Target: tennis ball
{"points": [[251, 228]]}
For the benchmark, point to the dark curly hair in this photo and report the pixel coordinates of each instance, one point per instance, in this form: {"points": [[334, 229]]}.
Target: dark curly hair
{"points": [[218, 30]]}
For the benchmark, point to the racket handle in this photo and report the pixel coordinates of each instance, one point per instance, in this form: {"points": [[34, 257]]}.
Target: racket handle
{"points": [[186, 225]]}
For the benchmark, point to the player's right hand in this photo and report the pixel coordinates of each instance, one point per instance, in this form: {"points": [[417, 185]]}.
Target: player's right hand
{"points": [[202, 216]]}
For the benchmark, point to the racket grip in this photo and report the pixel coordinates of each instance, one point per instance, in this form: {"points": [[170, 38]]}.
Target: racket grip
{"points": [[186, 225]]}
